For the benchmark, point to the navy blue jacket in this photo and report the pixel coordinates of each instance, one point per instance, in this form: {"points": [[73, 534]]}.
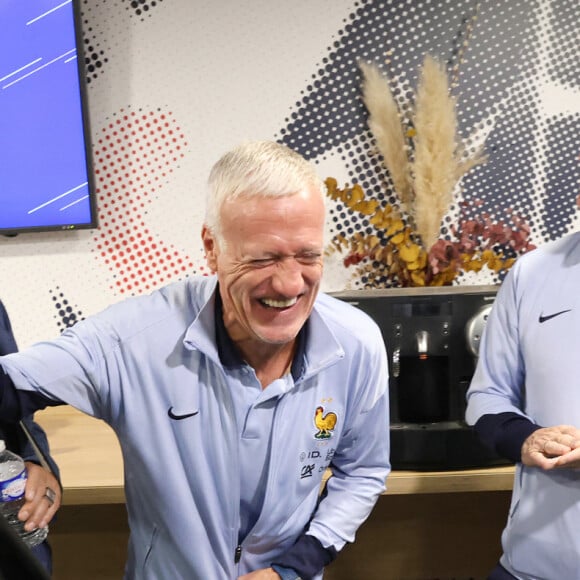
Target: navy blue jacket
{"points": [[12, 434]]}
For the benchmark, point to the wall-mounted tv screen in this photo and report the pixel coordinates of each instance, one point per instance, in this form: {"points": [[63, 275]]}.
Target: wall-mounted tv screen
{"points": [[45, 166]]}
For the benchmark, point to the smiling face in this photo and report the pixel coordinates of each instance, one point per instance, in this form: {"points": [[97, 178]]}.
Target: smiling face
{"points": [[269, 265]]}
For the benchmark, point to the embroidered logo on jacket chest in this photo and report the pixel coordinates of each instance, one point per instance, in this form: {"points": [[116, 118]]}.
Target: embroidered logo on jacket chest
{"points": [[325, 422], [316, 460]]}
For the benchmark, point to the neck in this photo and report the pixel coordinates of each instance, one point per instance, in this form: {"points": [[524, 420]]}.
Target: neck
{"points": [[270, 362]]}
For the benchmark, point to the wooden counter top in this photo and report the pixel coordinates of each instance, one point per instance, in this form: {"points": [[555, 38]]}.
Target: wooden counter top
{"points": [[485, 479], [89, 457]]}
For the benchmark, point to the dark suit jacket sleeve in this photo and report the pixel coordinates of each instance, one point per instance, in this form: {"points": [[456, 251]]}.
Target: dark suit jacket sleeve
{"points": [[15, 438]]}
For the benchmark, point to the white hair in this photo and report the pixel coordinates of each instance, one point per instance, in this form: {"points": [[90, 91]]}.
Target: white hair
{"points": [[257, 168]]}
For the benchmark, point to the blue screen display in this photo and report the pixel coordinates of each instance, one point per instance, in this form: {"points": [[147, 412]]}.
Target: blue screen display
{"points": [[45, 169]]}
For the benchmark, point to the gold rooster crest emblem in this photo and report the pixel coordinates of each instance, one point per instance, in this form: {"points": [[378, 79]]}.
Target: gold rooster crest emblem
{"points": [[324, 423]]}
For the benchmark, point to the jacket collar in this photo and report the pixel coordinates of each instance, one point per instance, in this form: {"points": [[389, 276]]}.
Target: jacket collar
{"points": [[318, 347]]}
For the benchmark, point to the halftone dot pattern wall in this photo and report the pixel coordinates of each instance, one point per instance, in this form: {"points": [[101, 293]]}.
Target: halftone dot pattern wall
{"points": [[94, 48], [142, 8], [515, 72], [510, 64], [65, 314], [562, 175], [134, 156]]}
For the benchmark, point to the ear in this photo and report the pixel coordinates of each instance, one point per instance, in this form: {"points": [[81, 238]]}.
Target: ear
{"points": [[210, 247]]}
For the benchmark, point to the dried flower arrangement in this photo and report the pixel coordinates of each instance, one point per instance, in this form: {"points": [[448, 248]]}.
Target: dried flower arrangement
{"points": [[426, 161]]}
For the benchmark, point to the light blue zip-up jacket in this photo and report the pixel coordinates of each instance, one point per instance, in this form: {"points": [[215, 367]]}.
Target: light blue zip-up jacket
{"points": [[153, 356], [530, 364]]}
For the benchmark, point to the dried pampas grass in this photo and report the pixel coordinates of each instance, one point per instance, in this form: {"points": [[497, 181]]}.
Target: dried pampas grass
{"points": [[435, 164], [385, 124], [426, 174]]}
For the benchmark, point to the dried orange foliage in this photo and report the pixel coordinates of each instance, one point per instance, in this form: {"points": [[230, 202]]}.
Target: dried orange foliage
{"points": [[395, 254]]}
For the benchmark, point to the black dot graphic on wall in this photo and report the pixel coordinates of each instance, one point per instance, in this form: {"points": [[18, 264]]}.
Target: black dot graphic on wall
{"points": [[143, 7], [94, 56], [65, 314], [94, 60]]}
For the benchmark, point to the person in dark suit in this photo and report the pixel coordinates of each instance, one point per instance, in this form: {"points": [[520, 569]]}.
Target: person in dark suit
{"points": [[43, 490]]}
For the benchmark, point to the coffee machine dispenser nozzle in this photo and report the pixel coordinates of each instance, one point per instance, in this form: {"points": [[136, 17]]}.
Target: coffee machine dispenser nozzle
{"points": [[422, 344]]}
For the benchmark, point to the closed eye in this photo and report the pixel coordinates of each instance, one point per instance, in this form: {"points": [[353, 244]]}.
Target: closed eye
{"points": [[262, 263], [305, 259], [308, 259]]}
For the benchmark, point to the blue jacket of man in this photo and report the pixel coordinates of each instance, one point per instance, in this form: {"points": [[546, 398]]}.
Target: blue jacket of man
{"points": [[150, 367], [529, 364]]}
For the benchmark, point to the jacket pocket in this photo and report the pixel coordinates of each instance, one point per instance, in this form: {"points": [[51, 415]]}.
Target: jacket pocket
{"points": [[288, 529]]}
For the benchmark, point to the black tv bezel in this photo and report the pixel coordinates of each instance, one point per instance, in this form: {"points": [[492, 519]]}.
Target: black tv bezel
{"points": [[83, 90]]}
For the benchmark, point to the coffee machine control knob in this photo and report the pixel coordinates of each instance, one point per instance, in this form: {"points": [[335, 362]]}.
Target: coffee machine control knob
{"points": [[474, 329]]}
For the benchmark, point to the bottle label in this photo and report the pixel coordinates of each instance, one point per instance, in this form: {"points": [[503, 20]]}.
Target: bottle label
{"points": [[13, 489]]}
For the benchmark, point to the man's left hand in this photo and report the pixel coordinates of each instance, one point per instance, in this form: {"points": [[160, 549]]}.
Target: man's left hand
{"points": [[547, 446], [42, 497]]}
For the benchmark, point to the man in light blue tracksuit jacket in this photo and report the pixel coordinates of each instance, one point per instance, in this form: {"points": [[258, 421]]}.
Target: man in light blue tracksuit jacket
{"points": [[525, 403], [232, 394]]}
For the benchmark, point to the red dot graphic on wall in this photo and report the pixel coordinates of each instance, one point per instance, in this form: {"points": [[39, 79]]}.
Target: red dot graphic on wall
{"points": [[133, 158]]}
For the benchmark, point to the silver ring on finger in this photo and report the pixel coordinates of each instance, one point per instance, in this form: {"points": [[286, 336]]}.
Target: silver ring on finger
{"points": [[50, 495]]}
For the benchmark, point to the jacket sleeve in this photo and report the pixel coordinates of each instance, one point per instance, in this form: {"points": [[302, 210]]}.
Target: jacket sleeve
{"points": [[16, 437], [495, 398], [360, 464], [7, 341], [505, 433], [498, 382], [304, 559]]}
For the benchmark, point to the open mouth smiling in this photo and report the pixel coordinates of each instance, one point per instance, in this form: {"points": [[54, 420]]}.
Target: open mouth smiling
{"points": [[279, 304]]}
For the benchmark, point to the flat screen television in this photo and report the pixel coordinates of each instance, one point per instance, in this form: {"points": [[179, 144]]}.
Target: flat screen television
{"points": [[45, 153]]}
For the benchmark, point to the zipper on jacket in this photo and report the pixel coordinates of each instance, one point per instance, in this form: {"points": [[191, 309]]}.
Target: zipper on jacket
{"points": [[238, 550]]}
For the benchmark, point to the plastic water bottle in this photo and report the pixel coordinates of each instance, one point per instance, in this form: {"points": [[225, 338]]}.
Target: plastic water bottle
{"points": [[12, 484]]}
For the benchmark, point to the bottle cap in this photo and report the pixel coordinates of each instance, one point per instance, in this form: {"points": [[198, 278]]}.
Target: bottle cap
{"points": [[2, 445]]}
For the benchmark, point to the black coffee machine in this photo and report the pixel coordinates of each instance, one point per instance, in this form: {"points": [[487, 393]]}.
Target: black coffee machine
{"points": [[432, 337]]}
